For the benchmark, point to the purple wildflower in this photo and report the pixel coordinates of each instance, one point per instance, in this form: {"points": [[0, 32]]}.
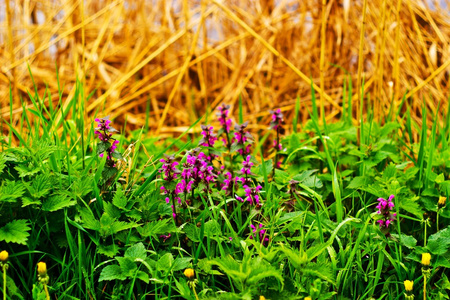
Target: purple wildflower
{"points": [[223, 117], [209, 138], [165, 237], [384, 209], [260, 232], [241, 138], [277, 124], [104, 132]]}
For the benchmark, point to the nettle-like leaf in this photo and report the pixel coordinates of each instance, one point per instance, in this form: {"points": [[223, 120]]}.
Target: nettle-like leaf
{"points": [[2, 162], [27, 170], [248, 273], [57, 202], [439, 243], [15, 232], [110, 226], [112, 272], [119, 199], [108, 250], [10, 191], [136, 251], [40, 186], [156, 228]]}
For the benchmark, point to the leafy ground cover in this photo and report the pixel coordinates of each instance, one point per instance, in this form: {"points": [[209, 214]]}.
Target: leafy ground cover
{"points": [[330, 211]]}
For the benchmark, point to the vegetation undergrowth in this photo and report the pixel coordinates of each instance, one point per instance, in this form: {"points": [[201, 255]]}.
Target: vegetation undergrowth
{"points": [[92, 213]]}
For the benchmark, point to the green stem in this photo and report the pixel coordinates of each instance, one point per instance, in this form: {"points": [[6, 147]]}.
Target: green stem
{"points": [[47, 295], [424, 287], [4, 281]]}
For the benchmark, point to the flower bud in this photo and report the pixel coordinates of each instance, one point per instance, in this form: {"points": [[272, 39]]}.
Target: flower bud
{"points": [[189, 273], [426, 257], [408, 285], [441, 202], [42, 268], [3, 256]]}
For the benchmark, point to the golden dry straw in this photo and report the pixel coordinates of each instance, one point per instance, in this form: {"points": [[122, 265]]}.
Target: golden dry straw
{"points": [[184, 57]]}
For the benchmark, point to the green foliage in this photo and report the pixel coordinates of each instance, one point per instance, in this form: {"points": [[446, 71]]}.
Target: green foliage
{"points": [[106, 230]]}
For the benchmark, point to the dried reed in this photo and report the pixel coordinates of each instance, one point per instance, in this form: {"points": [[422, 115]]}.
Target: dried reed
{"points": [[184, 57]]}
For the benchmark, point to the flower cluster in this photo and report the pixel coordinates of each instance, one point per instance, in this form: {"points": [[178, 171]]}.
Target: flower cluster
{"points": [[277, 125], [242, 139], [225, 122], [197, 169], [107, 144], [384, 209], [251, 194], [260, 232], [209, 138], [169, 174], [223, 117], [229, 183]]}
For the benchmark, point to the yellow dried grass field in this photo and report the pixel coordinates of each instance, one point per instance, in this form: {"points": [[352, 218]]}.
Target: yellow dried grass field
{"points": [[183, 57]]}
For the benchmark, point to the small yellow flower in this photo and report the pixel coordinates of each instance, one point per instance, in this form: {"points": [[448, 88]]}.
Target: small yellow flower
{"points": [[308, 298], [42, 268], [408, 285], [426, 257], [3, 256], [262, 298], [189, 273], [441, 201]]}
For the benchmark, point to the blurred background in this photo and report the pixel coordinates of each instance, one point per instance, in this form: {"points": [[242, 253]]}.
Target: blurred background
{"points": [[163, 64]]}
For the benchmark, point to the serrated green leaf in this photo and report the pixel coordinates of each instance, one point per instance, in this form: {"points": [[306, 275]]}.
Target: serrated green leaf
{"points": [[181, 263], [406, 240], [127, 265], [119, 199], [156, 228], [112, 272], [27, 170], [15, 232], [112, 210], [10, 191], [108, 250], [165, 262], [136, 251], [57, 202], [28, 201], [439, 243], [358, 181]]}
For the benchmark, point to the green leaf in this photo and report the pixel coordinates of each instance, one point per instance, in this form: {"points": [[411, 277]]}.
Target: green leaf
{"points": [[156, 228], [102, 147], [181, 263], [127, 265], [26, 170], [136, 251], [358, 182], [57, 202], [117, 155], [2, 162], [406, 240], [108, 250], [192, 232], [212, 228], [11, 190], [109, 225], [165, 262], [112, 272], [439, 242], [28, 201], [119, 199], [40, 186], [15, 232]]}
